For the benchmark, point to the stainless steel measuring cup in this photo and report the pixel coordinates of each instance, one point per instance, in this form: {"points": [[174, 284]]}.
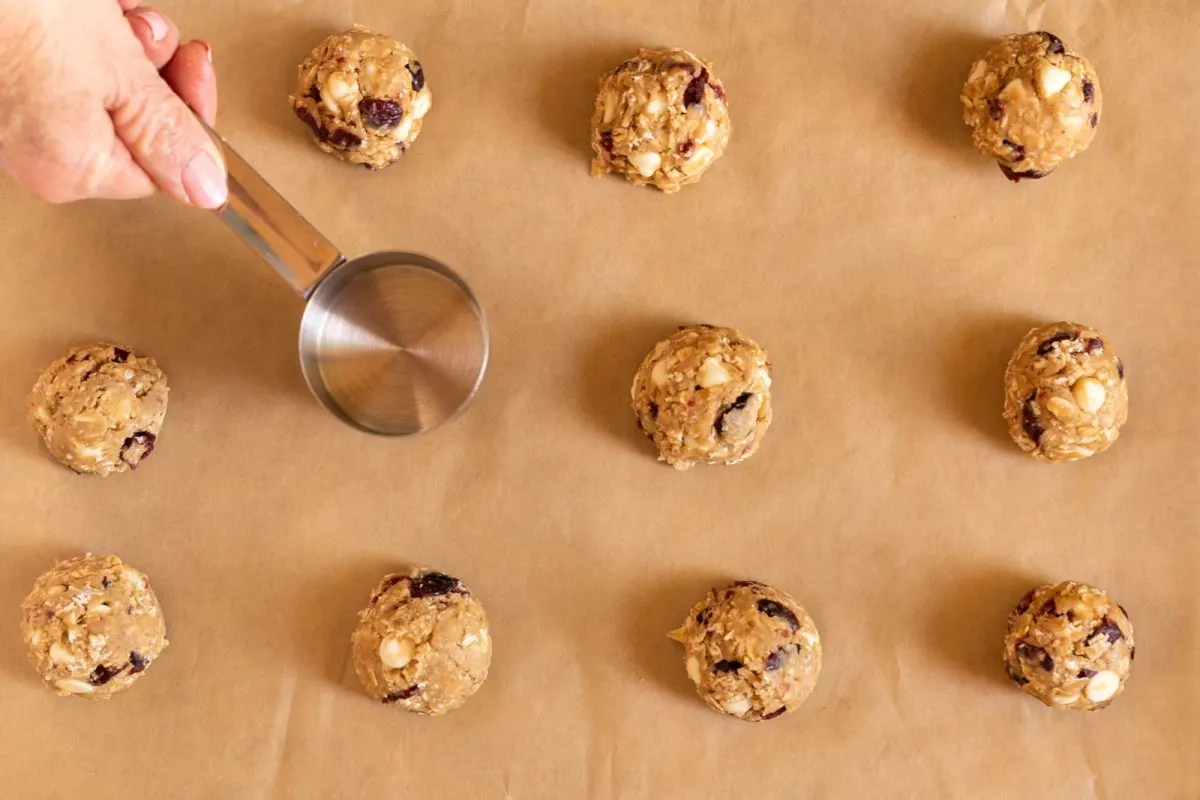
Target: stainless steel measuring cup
{"points": [[392, 343]]}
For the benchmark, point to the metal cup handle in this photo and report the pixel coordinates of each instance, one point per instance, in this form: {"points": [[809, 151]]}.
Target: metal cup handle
{"points": [[263, 219]]}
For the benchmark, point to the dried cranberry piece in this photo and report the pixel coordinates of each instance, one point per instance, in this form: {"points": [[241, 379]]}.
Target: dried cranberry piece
{"points": [[103, 674], [342, 139], [1095, 120], [403, 694], [1089, 92], [737, 405], [120, 355], [1086, 673], [1026, 601], [1032, 652], [1049, 607], [749, 583], [653, 406], [1016, 177], [138, 662], [1132, 651], [719, 91], [418, 75], [1048, 345], [778, 611], [776, 659], [137, 448], [1123, 611], [606, 141], [314, 94], [1029, 421], [694, 94], [995, 109], [310, 121], [703, 617], [775, 713], [105, 581], [1053, 43], [1109, 630], [1120, 369], [1017, 677], [723, 666], [380, 114], [1094, 346], [1018, 150], [435, 584], [686, 148]]}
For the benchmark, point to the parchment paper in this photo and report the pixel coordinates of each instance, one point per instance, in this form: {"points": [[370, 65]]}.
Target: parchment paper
{"points": [[851, 229]]}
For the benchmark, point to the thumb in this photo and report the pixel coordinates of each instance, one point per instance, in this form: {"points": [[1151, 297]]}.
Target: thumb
{"points": [[167, 140]]}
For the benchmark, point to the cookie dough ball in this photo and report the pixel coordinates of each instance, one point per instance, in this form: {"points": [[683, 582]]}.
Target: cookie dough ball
{"points": [[1032, 103], [99, 408], [93, 626], [1069, 645], [661, 119], [703, 396], [1064, 393], [364, 96], [422, 643], [751, 650]]}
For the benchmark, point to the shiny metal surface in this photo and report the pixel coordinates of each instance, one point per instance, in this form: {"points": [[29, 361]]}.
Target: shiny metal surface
{"points": [[394, 343]]}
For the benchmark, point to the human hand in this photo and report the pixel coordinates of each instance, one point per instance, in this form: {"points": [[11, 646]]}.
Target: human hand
{"points": [[94, 102]]}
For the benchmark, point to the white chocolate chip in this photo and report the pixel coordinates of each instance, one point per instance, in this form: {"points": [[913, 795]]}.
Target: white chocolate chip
{"points": [[713, 373], [99, 608], [1052, 79], [699, 161], [656, 104], [1089, 394], [1016, 91], [693, 670], [811, 638], [1064, 699], [469, 639], [35, 638], [60, 654], [402, 130], [421, 104], [338, 88], [610, 107], [659, 374], [708, 132], [646, 163], [74, 686], [977, 71], [1062, 408], [1102, 686], [737, 706], [395, 653]]}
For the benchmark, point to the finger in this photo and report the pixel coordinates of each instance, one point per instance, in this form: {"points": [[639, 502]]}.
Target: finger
{"points": [[166, 139], [61, 171], [129, 5], [158, 35], [191, 75]]}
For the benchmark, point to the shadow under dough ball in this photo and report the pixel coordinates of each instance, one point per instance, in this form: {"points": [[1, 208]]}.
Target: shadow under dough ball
{"points": [[93, 626], [661, 119], [703, 396], [1065, 396], [422, 643], [100, 408], [752, 651], [364, 96], [1070, 646], [1032, 103]]}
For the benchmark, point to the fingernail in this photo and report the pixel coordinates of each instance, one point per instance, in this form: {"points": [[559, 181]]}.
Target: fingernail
{"points": [[158, 26], [204, 182], [207, 50]]}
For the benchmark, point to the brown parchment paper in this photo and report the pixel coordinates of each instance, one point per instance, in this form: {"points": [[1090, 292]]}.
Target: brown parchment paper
{"points": [[851, 229]]}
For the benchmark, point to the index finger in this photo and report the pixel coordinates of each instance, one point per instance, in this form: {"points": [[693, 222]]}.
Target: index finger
{"points": [[129, 5]]}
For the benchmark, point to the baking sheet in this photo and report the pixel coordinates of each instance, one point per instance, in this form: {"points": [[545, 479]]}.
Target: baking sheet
{"points": [[851, 229]]}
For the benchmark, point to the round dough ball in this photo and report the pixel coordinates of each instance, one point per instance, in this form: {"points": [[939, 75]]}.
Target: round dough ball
{"points": [[703, 396], [1064, 393], [752, 651], [1069, 645], [661, 119], [93, 626], [99, 409], [1032, 103], [364, 96], [422, 643]]}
